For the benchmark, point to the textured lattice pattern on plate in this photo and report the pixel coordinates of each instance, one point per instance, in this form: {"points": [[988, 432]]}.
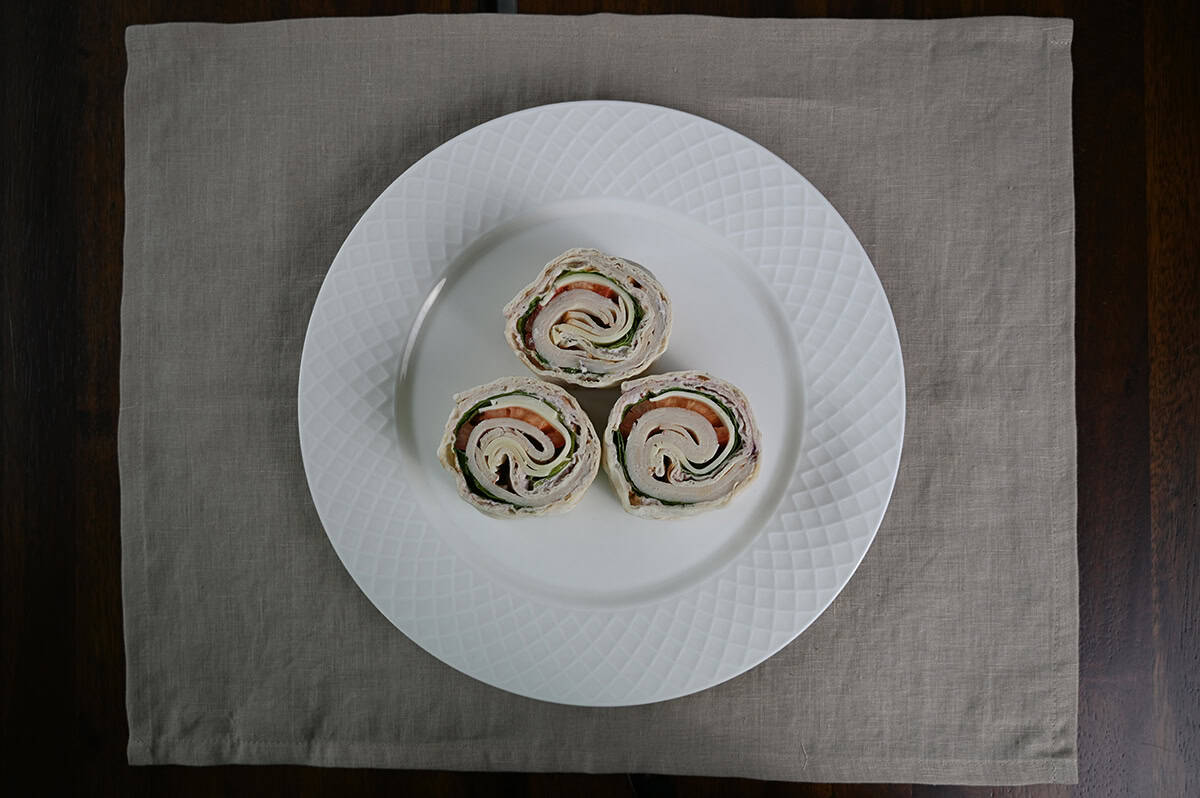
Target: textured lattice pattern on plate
{"points": [[817, 270]]}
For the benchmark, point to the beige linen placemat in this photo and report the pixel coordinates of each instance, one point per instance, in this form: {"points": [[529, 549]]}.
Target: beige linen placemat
{"points": [[250, 152]]}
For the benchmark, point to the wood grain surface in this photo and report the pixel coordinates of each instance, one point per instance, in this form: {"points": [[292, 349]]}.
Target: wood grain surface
{"points": [[1137, 166]]}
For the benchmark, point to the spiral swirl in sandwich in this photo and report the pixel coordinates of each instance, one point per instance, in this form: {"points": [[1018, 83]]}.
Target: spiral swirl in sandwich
{"points": [[589, 319], [680, 443], [519, 446]]}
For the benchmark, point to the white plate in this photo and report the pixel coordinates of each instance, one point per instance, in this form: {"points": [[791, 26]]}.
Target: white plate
{"points": [[771, 291]]}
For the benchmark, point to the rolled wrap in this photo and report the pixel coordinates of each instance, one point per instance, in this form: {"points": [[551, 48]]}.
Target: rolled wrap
{"points": [[680, 443], [519, 447], [589, 319]]}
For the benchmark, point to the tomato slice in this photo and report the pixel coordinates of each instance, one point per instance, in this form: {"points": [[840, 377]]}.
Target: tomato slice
{"points": [[584, 285], [519, 413], [642, 408]]}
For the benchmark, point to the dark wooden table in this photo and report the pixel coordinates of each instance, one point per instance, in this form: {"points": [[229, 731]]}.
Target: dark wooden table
{"points": [[1137, 165]]}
